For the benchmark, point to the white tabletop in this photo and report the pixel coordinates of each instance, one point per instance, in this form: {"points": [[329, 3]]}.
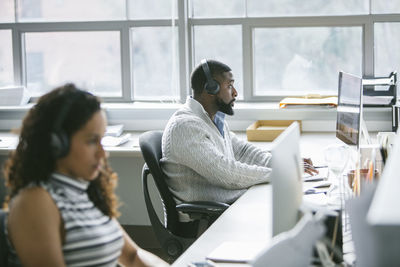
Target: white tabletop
{"points": [[249, 219]]}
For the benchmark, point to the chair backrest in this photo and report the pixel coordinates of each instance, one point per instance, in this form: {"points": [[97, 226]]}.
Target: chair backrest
{"points": [[150, 145], [3, 241]]}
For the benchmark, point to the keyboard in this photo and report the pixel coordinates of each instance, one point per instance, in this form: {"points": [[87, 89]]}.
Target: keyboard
{"points": [[321, 176]]}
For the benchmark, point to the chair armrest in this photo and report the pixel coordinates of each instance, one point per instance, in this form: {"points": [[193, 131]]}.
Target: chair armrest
{"points": [[202, 207]]}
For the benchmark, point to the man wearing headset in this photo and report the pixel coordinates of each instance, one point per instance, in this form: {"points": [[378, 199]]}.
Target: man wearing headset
{"points": [[203, 159]]}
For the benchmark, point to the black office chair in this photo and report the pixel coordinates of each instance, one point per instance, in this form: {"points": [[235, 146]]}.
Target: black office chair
{"points": [[174, 236], [3, 242]]}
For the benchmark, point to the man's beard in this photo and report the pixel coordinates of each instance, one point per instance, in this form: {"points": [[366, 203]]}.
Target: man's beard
{"points": [[225, 108]]}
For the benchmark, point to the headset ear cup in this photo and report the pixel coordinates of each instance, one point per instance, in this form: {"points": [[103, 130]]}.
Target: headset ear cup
{"points": [[212, 89], [211, 86], [59, 144]]}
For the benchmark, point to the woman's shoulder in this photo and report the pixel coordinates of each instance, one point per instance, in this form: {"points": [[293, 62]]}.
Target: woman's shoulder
{"points": [[32, 191], [31, 205], [34, 199]]}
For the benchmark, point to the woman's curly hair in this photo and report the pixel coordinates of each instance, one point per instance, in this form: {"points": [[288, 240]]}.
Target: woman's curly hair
{"points": [[33, 161]]}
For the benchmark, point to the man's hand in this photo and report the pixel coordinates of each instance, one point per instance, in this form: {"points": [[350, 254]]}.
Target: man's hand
{"points": [[309, 167]]}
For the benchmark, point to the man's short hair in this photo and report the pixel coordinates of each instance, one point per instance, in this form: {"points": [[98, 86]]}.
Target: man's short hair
{"points": [[198, 78]]}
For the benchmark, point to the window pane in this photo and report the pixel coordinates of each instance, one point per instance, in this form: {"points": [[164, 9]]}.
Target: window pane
{"points": [[387, 48], [6, 59], [151, 9], [70, 10], [273, 8], [7, 11], [222, 43], [91, 60], [155, 63], [219, 8], [304, 60], [382, 7]]}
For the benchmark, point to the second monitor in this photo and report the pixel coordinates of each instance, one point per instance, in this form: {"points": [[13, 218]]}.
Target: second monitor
{"points": [[349, 109], [286, 178]]}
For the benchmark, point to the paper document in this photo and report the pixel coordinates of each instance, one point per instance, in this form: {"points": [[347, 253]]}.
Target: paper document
{"points": [[322, 175], [8, 142], [238, 252], [115, 141], [312, 101], [114, 130], [315, 200]]}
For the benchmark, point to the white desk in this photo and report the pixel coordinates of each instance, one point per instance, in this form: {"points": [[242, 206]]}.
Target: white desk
{"points": [[310, 146], [128, 149], [247, 220], [127, 161]]}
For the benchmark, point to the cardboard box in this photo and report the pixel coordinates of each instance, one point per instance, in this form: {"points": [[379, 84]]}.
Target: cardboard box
{"points": [[267, 130]]}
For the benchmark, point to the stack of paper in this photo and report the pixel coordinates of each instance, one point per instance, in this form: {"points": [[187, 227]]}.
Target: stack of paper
{"points": [[8, 142], [310, 100], [114, 130], [115, 141]]}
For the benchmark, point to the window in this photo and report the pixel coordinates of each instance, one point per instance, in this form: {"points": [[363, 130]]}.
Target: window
{"points": [[151, 9], [71, 10], [304, 60], [7, 11], [275, 8], [385, 7], [154, 69], [387, 48], [91, 60], [223, 43], [145, 50], [218, 9], [6, 59]]}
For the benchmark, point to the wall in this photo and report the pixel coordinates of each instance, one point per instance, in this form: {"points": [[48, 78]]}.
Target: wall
{"points": [[130, 191]]}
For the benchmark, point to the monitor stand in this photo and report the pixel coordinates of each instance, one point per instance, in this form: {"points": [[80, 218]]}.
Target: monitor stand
{"points": [[364, 133], [368, 153]]}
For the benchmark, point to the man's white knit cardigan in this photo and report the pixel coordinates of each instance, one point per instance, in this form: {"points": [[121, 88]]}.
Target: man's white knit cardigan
{"points": [[202, 164]]}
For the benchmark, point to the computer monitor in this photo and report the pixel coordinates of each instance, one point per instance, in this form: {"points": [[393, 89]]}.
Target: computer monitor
{"points": [[286, 178], [349, 109]]}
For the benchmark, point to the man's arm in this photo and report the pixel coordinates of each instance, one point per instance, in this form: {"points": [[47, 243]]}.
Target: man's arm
{"points": [[192, 146], [248, 153]]}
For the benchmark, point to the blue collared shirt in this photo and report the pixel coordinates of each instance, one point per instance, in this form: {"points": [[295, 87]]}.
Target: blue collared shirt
{"points": [[219, 122]]}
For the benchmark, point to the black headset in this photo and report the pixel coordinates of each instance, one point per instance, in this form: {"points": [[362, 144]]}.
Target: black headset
{"points": [[59, 140], [211, 86]]}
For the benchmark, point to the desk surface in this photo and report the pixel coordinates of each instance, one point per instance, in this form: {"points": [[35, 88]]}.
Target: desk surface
{"points": [[254, 225], [128, 149], [249, 219], [309, 142]]}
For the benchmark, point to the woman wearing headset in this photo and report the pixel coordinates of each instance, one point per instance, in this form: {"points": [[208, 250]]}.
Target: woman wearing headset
{"points": [[62, 206]]}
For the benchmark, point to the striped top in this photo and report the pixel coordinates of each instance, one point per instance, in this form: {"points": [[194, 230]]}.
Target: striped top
{"points": [[91, 238]]}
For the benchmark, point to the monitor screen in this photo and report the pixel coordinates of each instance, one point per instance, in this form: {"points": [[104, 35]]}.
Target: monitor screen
{"points": [[286, 178], [349, 109]]}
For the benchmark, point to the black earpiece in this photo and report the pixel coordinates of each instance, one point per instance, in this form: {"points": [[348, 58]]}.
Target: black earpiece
{"points": [[59, 141], [211, 86]]}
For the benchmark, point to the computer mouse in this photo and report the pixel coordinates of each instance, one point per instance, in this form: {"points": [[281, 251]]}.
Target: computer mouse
{"points": [[310, 191]]}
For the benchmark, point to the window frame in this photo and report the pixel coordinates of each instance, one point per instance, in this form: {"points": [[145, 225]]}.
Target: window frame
{"points": [[185, 53], [123, 27]]}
